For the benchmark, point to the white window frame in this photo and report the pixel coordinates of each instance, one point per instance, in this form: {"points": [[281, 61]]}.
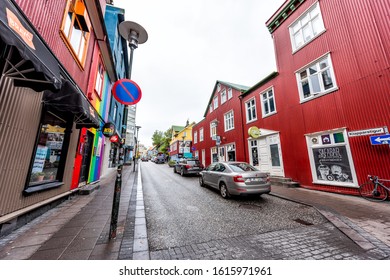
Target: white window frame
{"points": [[319, 82], [251, 111], [268, 100], [218, 87], [316, 141], [311, 23], [230, 93], [201, 135], [213, 129], [215, 102], [223, 96], [211, 108], [195, 137], [229, 120]]}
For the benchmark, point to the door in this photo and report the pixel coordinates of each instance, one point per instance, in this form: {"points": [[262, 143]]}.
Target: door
{"points": [[275, 152], [87, 153]]}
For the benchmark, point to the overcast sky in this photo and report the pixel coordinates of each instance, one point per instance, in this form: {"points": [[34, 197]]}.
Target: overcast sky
{"points": [[191, 45]]}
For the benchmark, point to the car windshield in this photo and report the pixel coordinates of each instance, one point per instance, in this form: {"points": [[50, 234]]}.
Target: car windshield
{"points": [[241, 166]]}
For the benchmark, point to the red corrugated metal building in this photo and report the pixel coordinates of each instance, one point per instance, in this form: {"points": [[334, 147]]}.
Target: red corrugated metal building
{"points": [[218, 137], [312, 120]]}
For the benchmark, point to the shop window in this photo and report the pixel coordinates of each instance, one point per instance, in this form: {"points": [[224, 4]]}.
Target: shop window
{"points": [[307, 27], [330, 159], [76, 28], [49, 155]]}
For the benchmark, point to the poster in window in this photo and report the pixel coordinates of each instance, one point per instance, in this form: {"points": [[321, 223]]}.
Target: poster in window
{"points": [[332, 164]]}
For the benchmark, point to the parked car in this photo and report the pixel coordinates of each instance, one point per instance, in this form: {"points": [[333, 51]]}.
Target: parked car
{"points": [[160, 158], [235, 178], [188, 166], [144, 158]]}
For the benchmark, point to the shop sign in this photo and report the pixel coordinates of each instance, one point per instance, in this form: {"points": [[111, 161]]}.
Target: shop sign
{"points": [[114, 139], [254, 132], [108, 129]]}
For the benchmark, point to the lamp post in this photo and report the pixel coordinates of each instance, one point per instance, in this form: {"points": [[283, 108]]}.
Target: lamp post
{"points": [[136, 146], [135, 34]]}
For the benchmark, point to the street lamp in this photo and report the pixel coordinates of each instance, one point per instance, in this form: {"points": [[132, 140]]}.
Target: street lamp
{"points": [[136, 145], [135, 34]]}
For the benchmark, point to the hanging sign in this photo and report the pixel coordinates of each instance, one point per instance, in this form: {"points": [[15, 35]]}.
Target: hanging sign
{"points": [[114, 139], [127, 92], [108, 129]]}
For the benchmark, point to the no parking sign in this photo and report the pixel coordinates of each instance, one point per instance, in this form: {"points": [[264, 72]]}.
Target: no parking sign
{"points": [[127, 92]]}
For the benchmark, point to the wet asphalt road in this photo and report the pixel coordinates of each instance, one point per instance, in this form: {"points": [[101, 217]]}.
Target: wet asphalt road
{"points": [[179, 212]]}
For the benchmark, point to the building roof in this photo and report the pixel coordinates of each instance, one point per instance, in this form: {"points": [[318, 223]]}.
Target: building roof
{"points": [[235, 86], [287, 8]]}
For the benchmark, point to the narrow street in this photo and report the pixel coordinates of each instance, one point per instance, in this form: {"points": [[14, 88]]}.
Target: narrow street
{"points": [[186, 221]]}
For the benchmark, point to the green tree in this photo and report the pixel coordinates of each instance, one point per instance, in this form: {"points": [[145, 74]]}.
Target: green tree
{"points": [[162, 139]]}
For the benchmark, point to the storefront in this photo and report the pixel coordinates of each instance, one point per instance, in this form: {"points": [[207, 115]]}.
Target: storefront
{"points": [[41, 112]]}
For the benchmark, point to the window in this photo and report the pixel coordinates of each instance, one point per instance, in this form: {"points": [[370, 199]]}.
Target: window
{"points": [[306, 27], [47, 165], [76, 28], [229, 121], [230, 93], [316, 79], [223, 96], [330, 158], [218, 87], [99, 80], [213, 130], [268, 102], [195, 137], [214, 155], [115, 112], [215, 102], [211, 108], [251, 110], [201, 137]]}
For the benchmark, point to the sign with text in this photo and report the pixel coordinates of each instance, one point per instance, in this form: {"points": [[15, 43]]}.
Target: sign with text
{"points": [[108, 129]]}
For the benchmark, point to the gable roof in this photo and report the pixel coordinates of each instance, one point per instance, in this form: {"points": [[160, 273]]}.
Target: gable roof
{"points": [[238, 87]]}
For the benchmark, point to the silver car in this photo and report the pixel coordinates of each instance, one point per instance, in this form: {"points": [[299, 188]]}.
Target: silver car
{"points": [[235, 178]]}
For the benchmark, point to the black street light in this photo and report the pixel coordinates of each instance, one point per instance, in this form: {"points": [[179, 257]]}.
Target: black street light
{"points": [[136, 146], [135, 34]]}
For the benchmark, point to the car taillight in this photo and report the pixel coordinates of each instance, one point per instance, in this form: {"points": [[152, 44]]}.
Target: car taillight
{"points": [[188, 166], [268, 178], [238, 179]]}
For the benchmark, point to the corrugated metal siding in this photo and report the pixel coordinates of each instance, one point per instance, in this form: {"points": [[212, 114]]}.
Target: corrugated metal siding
{"points": [[20, 112], [357, 37]]}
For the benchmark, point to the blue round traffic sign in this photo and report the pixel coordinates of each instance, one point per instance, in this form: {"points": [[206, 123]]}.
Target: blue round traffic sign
{"points": [[126, 92]]}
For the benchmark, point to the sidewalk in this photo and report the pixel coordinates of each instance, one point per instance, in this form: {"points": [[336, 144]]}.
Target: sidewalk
{"points": [[78, 229]]}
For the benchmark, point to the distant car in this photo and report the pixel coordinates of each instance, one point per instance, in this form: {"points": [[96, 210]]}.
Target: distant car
{"points": [[144, 158], [188, 166], [235, 178]]}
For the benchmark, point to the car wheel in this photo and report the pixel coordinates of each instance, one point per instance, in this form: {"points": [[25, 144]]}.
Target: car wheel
{"points": [[201, 182], [224, 191], [182, 172]]}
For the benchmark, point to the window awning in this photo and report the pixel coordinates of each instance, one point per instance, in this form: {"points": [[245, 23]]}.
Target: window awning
{"points": [[70, 100], [29, 63]]}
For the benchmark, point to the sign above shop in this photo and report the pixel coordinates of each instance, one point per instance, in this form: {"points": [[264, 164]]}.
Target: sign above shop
{"points": [[126, 92], [114, 139], [254, 132], [108, 129]]}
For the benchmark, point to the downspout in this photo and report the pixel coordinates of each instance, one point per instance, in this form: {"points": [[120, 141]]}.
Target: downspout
{"points": [[243, 133]]}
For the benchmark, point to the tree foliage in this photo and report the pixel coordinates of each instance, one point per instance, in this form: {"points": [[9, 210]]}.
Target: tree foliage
{"points": [[162, 139]]}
